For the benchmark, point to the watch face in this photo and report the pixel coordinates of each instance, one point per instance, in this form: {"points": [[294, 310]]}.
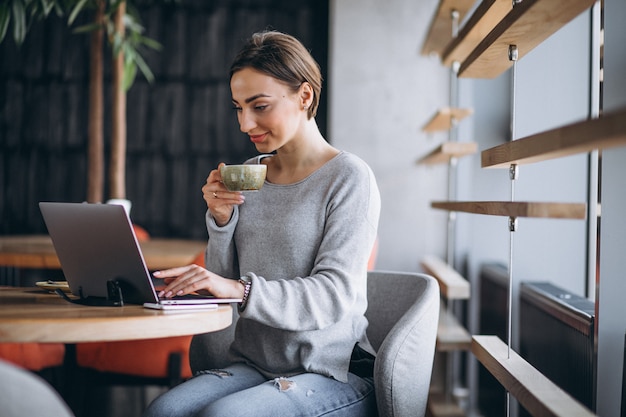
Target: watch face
{"points": [[245, 278]]}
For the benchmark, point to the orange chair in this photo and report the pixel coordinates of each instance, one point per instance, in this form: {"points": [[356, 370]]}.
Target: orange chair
{"points": [[149, 361], [141, 233], [33, 356]]}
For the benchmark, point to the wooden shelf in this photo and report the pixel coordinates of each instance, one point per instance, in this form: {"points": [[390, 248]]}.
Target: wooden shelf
{"points": [[516, 209], [438, 407], [527, 25], [602, 133], [451, 335], [539, 395], [488, 14], [440, 31], [447, 150], [452, 285], [442, 120]]}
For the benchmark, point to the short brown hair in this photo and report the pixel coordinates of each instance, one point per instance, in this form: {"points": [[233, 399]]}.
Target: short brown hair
{"points": [[283, 57]]}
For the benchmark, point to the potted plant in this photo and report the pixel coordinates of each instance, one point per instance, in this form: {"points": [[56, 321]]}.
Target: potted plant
{"points": [[113, 22]]}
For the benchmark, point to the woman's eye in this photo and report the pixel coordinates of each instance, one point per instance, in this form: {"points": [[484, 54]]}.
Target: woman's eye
{"points": [[236, 108], [260, 107]]}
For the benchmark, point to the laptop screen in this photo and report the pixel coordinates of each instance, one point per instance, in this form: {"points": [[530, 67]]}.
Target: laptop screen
{"points": [[95, 244]]}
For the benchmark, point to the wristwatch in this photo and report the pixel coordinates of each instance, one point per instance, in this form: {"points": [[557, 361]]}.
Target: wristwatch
{"points": [[247, 284]]}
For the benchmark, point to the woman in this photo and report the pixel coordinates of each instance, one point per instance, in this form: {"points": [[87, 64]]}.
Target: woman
{"points": [[300, 245]]}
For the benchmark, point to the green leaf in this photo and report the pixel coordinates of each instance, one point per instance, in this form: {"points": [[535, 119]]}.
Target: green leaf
{"points": [[87, 28], [58, 10], [19, 22], [5, 17], [144, 68], [151, 43], [118, 43], [130, 73], [47, 7], [79, 6]]}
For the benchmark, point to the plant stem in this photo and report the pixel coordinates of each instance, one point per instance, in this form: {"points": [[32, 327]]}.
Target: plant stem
{"points": [[95, 159], [118, 140]]}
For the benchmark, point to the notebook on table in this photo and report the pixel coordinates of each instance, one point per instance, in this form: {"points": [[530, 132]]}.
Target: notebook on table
{"points": [[102, 260]]}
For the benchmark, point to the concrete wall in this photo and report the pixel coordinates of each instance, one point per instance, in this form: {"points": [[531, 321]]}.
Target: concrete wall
{"points": [[382, 92]]}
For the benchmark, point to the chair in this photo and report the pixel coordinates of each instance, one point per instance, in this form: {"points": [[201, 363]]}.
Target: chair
{"points": [[403, 313], [23, 393], [33, 356]]}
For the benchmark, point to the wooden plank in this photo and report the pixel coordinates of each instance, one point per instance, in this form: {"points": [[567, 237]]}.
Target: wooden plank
{"points": [[453, 286], [451, 335], [488, 14], [442, 120], [605, 132], [539, 395], [440, 31], [438, 407], [447, 150], [516, 208], [527, 25]]}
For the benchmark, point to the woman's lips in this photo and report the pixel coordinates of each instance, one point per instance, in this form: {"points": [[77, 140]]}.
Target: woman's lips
{"points": [[257, 138]]}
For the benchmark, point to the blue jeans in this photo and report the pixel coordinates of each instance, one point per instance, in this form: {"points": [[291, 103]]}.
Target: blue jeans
{"points": [[240, 391]]}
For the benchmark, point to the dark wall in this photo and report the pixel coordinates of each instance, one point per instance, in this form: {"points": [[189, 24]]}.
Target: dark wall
{"points": [[179, 127]]}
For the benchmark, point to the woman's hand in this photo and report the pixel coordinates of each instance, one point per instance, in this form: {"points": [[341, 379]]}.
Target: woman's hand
{"points": [[193, 278], [219, 200]]}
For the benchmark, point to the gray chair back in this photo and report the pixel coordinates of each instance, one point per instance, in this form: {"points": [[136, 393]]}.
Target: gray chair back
{"points": [[403, 313], [22, 393]]}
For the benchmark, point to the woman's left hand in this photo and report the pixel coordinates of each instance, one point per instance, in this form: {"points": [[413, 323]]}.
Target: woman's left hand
{"points": [[193, 278]]}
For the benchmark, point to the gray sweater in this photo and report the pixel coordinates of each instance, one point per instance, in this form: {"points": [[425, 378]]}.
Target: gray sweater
{"points": [[305, 247]]}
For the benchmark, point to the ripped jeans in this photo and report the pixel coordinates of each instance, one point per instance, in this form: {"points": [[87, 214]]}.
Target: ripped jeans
{"points": [[241, 391]]}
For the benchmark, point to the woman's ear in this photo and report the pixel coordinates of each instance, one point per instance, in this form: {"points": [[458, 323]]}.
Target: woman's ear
{"points": [[306, 95]]}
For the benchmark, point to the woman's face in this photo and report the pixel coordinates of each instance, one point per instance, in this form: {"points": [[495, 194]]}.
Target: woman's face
{"points": [[267, 110]]}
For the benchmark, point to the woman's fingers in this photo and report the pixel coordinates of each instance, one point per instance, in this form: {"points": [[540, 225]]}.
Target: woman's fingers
{"points": [[182, 280]]}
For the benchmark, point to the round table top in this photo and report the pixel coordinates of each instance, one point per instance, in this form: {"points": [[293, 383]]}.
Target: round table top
{"points": [[35, 315]]}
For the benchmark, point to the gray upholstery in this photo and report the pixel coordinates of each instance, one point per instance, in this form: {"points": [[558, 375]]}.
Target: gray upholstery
{"points": [[403, 313], [23, 393]]}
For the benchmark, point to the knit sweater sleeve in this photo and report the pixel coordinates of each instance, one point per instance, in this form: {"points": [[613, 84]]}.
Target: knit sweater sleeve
{"points": [[220, 256]]}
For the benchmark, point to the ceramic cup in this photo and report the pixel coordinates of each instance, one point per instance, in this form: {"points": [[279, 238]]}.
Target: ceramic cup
{"points": [[248, 177]]}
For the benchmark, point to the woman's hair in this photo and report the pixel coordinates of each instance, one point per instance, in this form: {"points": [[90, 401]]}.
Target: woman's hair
{"points": [[283, 57]]}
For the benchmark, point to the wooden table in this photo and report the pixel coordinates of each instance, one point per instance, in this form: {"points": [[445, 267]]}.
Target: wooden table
{"points": [[34, 315], [37, 251]]}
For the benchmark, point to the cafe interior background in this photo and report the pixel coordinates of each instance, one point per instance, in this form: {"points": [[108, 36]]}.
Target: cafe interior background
{"points": [[379, 93]]}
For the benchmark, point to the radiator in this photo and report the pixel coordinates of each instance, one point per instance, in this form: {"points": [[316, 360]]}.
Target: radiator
{"points": [[557, 338], [492, 320]]}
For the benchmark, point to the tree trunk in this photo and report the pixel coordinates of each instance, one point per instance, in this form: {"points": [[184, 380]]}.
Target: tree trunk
{"points": [[95, 158], [118, 140]]}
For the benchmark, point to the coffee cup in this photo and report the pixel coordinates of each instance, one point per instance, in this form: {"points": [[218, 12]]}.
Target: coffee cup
{"points": [[246, 177]]}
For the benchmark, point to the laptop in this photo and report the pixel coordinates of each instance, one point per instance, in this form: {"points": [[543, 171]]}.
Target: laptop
{"points": [[102, 260]]}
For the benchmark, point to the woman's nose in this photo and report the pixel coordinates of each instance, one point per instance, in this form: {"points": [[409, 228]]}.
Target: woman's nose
{"points": [[246, 121]]}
